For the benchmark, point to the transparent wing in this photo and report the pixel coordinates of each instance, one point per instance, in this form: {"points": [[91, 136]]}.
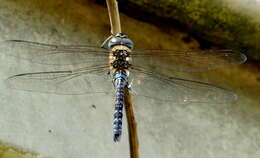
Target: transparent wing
{"points": [[75, 82], [170, 112], [187, 61], [177, 90], [49, 54]]}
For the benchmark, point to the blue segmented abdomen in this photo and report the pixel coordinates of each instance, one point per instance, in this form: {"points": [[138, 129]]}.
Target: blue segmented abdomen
{"points": [[120, 84]]}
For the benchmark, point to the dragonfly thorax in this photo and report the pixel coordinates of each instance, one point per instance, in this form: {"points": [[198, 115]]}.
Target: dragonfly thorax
{"points": [[120, 64], [120, 59], [121, 54]]}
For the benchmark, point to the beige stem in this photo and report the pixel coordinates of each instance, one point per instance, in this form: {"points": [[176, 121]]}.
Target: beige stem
{"points": [[114, 16]]}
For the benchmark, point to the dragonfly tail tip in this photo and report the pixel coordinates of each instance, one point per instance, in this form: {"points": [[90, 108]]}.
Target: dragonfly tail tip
{"points": [[117, 137]]}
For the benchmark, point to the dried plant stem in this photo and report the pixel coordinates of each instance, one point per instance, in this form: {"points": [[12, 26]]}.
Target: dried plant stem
{"points": [[114, 16], [132, 129]]}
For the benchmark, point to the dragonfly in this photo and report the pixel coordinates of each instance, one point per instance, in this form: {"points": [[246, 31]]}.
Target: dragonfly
{"points": [[85, 67]]}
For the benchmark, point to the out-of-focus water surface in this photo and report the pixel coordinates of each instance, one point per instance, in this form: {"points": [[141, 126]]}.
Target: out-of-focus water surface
{"points": [[69, 126]]}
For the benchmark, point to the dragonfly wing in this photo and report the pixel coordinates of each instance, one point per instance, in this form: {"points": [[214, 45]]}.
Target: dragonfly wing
{"points": [[187, 61], [168, 116], [165, 111], [157, 86], [49, 54], [81, 81]]}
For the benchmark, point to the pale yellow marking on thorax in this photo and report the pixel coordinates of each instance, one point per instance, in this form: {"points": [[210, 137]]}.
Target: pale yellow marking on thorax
{"points": [[112, 58]]}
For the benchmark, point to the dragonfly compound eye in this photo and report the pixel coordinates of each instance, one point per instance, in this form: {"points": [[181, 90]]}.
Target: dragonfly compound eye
{"points": [[115, 41], [129, 43]]}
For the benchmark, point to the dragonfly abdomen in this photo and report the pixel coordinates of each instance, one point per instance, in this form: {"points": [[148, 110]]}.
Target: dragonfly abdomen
{"points": [[120, 82]]}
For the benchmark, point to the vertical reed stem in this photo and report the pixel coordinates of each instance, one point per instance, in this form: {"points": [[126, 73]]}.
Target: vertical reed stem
{"points": [[114, 16], [132, 129]]}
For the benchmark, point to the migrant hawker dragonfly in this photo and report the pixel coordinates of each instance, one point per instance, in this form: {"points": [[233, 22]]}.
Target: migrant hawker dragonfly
{"points": [[140, 71]]}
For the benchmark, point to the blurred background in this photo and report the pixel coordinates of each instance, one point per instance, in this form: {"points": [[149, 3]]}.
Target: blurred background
{"points": [[41, 125]]}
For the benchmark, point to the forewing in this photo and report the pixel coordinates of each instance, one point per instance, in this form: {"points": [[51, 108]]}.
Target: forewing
{"points": [[50, 54], [187, 61]]}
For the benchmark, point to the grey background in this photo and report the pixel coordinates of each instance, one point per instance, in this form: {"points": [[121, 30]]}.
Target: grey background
{"points": [[68, 126]]}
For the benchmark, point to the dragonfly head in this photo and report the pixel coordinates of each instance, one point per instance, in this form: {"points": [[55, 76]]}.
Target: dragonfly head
{"points": [[120, 39]]}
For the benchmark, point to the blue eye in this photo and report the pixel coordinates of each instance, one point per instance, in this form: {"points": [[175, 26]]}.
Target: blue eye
{"points": [[129, 43], [120, 41], [114, 41]]}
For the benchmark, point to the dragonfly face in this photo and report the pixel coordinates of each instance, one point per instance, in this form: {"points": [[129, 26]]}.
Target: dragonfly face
{"points": [[120, 39]]}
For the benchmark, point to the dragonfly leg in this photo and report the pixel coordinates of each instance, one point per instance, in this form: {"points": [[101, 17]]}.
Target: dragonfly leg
{"points": [[105, 43], [130, 88]]}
